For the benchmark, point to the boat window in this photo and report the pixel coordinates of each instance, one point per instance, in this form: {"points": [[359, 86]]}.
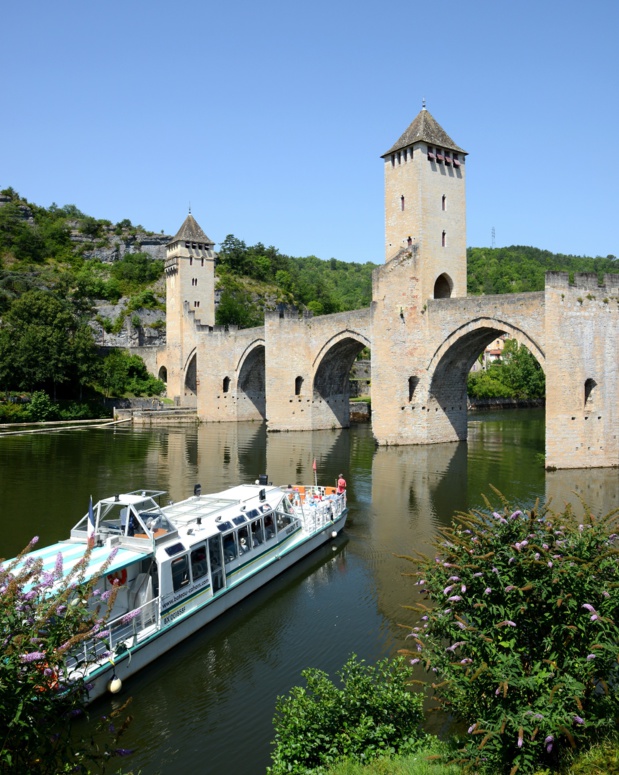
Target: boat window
{"points": [[283, 520], [180, 573], [269, 527], [285, 505], [239, 520], [265, 508], [257, 533], [223, 526], [253, 514], [244, 544], [155, 522], [174, 549], [230, 552], [214, 553], [198, 562]]}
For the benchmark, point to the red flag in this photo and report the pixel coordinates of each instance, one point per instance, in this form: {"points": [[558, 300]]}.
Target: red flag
{"points": [[314, 464]]}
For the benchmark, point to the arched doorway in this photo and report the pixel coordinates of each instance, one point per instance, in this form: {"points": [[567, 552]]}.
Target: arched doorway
{"points": [[443, 287]]}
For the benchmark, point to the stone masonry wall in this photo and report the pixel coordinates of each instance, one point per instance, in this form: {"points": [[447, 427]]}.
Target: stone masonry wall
{"points": [[582, 377]]}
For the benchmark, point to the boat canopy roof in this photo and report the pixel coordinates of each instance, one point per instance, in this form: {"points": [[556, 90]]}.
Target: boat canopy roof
{"points": [[72, 552]]}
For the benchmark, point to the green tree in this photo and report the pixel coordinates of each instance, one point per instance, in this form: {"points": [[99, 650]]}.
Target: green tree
{"points": [[121, 373], [41, 340]]}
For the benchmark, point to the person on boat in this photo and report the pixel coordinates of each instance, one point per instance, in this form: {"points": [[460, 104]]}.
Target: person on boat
{"points": [[341, 484]]}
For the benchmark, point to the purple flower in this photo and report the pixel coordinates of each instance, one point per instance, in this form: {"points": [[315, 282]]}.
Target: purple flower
{"points": [[591, 656], [495, 570], [516, 513], [548, 743], [466, 661], [537, 555], [34, 656], [132, 614], [454, 646], [589, 607], [509, 588], [487, 591], [605, 593], [578, 720], [472, 728], [520, 738], [477, 575], [463, 588], [453, 578], [58, 566], [414, 661], [550, 563], [506, 623], [511, 559], [424, 618], [594, 617], [448, 589], [461, 625], [454, 598], [545, 547], [420, 583]]}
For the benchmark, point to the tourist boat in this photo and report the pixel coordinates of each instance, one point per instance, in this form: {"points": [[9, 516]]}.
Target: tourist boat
{"points": [[178, 566]]}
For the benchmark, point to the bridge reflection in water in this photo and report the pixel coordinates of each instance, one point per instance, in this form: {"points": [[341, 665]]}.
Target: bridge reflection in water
{"points": [[208, 706]]}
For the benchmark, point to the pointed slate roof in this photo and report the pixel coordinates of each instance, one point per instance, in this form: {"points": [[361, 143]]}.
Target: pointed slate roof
{"points": [[190, 231], [425, 128]]}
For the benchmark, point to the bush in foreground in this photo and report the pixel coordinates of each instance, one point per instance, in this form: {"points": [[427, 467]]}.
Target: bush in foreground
{"points": [[374, 713], [521, 633], [43, 616]]}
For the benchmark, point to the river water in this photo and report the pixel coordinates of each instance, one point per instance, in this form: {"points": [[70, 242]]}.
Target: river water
{"points": [[207, 707]]}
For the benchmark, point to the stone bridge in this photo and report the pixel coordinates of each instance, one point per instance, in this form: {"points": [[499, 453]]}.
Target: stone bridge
{"points": [[423, 331]]}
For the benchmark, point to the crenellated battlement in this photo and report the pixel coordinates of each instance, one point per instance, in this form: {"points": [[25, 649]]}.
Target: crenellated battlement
{"points": [[586, 281]]}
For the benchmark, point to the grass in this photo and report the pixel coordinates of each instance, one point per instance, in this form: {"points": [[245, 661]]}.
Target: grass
{"points": [[600, 759]]}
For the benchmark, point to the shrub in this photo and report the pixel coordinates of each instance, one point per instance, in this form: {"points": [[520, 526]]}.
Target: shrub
{"points": [[522, 633], [374, 713], [42, 616]]}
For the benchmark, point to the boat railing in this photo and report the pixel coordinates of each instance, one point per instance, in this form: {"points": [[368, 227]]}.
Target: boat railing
{"points": [[120, 634], [318, 505]]}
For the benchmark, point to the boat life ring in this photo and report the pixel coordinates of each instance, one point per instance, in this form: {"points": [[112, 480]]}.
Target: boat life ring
{"points": [[119, 578]]}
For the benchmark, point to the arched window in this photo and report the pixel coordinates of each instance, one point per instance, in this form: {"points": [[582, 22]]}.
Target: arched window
{"points": [[590, 386], [163, 374], [226, 384], [298, 384], [412, 385], [443, 287]]}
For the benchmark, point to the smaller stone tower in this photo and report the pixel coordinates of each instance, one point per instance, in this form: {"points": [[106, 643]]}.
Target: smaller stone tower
{"points": [[190, 299], [425, 206]]}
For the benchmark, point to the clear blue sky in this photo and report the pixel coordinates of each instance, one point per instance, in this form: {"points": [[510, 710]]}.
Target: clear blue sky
{"points": [[270, 117]]}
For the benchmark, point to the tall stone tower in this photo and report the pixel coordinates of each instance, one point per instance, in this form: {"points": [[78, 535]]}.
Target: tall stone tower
{"points": [[425, 206], [190, 299]]}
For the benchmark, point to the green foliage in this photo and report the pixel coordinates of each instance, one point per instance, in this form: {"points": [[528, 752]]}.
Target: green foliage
{"points": [[145, 299], [374, 713], [522, 633], [135, 269], [322, 286], [44, 343], [42, 617], [41, 408], [122, 374], [236, 308], [517, 269], [517, 375]]}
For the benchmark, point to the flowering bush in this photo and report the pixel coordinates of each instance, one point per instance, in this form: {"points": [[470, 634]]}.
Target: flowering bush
{"points": [[521, 633], [42, 617]]}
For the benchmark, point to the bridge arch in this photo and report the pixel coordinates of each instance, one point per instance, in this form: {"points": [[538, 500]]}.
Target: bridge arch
{"points": [[449, 366], [251, 390], [190, 379], [330, 382]]}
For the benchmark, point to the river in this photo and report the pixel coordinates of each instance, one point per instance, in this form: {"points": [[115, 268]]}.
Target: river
{"points": [[208, 706]]}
